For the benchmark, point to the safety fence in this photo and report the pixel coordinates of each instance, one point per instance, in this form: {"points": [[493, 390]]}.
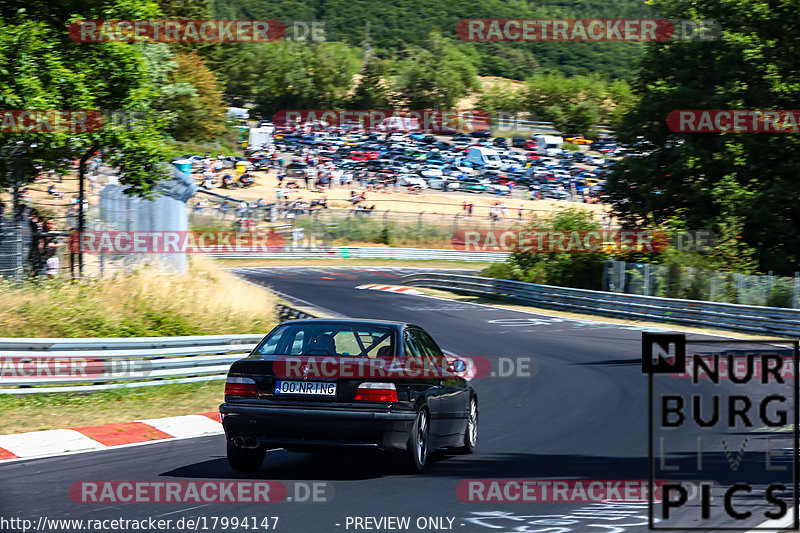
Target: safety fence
{"points": [[31, 365], [351, 252], [673, 281], [743, 318], [35, 366]]}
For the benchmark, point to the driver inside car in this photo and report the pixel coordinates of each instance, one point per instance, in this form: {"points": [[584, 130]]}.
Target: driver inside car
{"points": [[324, 342]]}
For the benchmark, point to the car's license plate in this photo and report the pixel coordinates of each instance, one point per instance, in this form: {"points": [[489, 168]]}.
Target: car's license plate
{"points": [[315, 388]]}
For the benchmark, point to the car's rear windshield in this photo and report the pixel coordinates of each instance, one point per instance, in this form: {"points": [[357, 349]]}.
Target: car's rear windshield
{"points": [[343, 340]]}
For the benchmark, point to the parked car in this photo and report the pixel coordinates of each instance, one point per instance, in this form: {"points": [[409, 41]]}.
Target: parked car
{"points": [[472, 185], [431, 172], [578, 139], [480, 134], [495, 188], [519, 142], [408, 180], [445, 183], [500, 141]]}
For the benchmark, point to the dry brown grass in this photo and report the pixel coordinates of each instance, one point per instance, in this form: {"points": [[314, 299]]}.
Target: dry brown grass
{"points": [[147, 302]]}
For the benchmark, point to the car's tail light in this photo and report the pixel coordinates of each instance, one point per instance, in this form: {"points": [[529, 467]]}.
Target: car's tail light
{"points": [[240, 387], [376, 392]]}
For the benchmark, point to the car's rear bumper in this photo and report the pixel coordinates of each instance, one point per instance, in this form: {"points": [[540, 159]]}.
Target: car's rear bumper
{"points": [[278, 426]]}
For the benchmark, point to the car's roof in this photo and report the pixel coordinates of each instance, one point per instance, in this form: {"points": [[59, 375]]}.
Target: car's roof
{"points": [[357, 321]]}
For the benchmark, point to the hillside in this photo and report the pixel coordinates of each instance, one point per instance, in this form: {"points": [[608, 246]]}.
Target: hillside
{"points": [[398, 24]]}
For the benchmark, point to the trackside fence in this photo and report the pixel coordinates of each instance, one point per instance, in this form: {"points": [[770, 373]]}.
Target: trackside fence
{"points": [[353, 252], [30, 365], [34, 366], [743, 318]]}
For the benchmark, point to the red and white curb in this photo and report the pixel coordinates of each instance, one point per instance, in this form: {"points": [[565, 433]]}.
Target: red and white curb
{"points": [[92, 438], [390, 288]]}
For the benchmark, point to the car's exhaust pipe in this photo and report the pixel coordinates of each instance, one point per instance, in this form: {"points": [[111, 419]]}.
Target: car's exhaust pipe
{"points": [[248, 443]]}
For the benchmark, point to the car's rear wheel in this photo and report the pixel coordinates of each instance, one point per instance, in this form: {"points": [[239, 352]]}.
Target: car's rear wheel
{"points": [[471, 433], [414, 459], [245, 459]]}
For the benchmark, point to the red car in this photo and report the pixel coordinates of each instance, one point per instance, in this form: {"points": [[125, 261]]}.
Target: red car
{"points": [[363, 156]]}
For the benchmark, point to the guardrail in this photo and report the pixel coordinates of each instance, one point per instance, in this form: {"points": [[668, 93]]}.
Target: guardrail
{"points": [[40, 365], [347, 252], [743, 318], [34, 366]]}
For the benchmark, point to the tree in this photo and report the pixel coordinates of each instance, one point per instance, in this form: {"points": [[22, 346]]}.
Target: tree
{"points": [[435, 77], [286, 75], [581, 270], [200, 112], [501, 97], [372, 91], [739, 176], [508, 61], [41, 68], [575, 104]]}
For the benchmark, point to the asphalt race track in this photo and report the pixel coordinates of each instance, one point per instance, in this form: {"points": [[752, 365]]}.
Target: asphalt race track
{"points": [[580, 414]]}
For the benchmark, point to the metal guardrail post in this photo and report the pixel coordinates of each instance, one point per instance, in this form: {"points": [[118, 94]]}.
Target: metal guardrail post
{"points": [[18, 250]]}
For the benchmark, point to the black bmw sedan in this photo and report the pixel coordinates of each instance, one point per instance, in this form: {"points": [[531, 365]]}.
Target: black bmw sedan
{"points": [[318, 384]]}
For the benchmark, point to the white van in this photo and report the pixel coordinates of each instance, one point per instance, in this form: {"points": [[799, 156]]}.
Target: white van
{"points": [[549, 145], [483, 156], [260, 137]]}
